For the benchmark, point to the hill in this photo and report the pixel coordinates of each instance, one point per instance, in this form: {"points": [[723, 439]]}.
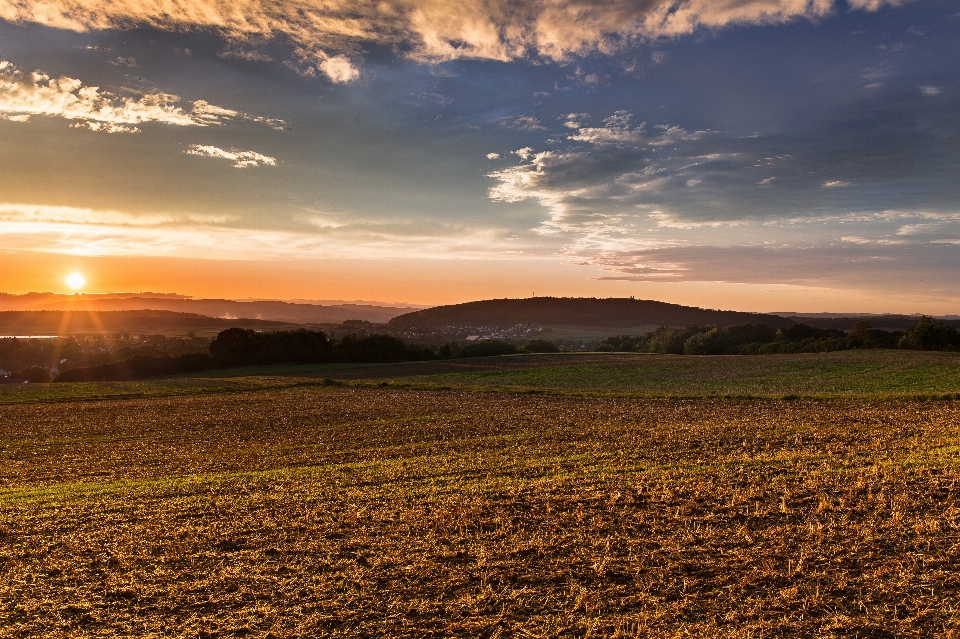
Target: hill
{"points": [[73, 322], [609, 313], [298, 313]]}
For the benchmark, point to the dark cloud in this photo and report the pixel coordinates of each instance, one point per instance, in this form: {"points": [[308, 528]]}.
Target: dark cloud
{"points": [[894, 268], [891, 149]]}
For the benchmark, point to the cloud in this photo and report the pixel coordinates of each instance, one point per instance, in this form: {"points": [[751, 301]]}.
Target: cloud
{"points": [[339, 69], [250, 55], [616, 130], [888, 149], [45, 214], [323, 33], [241, 159], [891, 267], [124, 62], [83, 231], [523, 122], [877, 172], [23, 95], [493, 156]]}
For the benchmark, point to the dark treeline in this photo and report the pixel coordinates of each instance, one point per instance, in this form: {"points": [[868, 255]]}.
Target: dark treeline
{"points": [[242, 347], [927, 334], [26, 358]]}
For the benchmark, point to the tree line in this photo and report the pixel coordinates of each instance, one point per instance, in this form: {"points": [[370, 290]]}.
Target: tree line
{"points": [[927, 334], [237, 347]]}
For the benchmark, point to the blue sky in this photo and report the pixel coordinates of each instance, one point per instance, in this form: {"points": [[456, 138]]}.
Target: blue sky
{"points": [[656, 148]]}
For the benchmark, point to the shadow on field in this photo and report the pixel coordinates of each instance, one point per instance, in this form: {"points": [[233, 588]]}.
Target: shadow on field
{"points": [[477, 364]]}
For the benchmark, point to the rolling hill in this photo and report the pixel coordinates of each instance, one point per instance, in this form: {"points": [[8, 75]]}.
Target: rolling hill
{"points": [[609, 313], [291, 312], [74, 322]]}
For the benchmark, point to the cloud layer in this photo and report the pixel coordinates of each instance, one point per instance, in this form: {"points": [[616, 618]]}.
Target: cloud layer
{"points": [[325, 32], [895, 148], [241, 159], [23, 95]]}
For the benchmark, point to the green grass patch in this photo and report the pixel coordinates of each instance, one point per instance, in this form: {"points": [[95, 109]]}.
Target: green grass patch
{"points": [[866, 374]]}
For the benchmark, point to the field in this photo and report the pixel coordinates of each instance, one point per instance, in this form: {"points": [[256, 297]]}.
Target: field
{"points": [[574, 505]]}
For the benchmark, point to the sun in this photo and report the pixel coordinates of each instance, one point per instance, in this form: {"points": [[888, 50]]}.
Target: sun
{"points": [[75, 280]]}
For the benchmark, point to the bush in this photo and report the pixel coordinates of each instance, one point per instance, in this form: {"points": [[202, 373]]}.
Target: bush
{"points": [[930, 335], [621, 344], [139, 367], [240, 347], [370, 348], [34, 375], [709, 343], [667, 339], [539, 346], [487, 348]]}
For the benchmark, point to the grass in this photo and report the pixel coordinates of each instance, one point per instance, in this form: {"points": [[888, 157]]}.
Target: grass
{"points": [[846, 374], [865, 374], [342, 512]]}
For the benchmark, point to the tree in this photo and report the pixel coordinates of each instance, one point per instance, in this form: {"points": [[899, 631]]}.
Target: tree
{"points": [[539, 346], [929, 334]]}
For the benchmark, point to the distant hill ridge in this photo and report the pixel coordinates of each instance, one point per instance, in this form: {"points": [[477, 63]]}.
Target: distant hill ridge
{"points": [[72, 322], [616, 312], [300, 313]]}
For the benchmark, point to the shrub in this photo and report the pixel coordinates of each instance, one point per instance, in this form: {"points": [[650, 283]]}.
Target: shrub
{"points": [[539, 346], [930, 335], [239, 347], [34, 375], [708, 343], [369, 348], [139, 367], [667, 339], [487, 348]]}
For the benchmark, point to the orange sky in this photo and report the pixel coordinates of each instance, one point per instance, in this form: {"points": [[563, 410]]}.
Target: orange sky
{"points": [[427, 282], [757, 155]]}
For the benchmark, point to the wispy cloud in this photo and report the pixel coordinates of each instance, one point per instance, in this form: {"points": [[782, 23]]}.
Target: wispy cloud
{"points": [[308, 235], [46, 214], [241, 159], [23, 95], [324, 34], [523, 122]]}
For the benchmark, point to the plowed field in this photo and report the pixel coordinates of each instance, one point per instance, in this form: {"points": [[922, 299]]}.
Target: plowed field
{"points": [[345, 512]]}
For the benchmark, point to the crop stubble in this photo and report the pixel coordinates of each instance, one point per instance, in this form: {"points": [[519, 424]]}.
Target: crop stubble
{"points": [[381, 512]]}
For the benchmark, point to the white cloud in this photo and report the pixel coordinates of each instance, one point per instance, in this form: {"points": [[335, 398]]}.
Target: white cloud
{"points": [[23, 95], [928, 90], [323, 33], [241, 159], [339, 69], [523, 122], [616, 130], [833, 184], [45, 214], [493, 156], [82, 231]]}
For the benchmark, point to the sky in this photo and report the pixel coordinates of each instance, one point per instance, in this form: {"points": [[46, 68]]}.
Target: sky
{"points": [[766, 155]]}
